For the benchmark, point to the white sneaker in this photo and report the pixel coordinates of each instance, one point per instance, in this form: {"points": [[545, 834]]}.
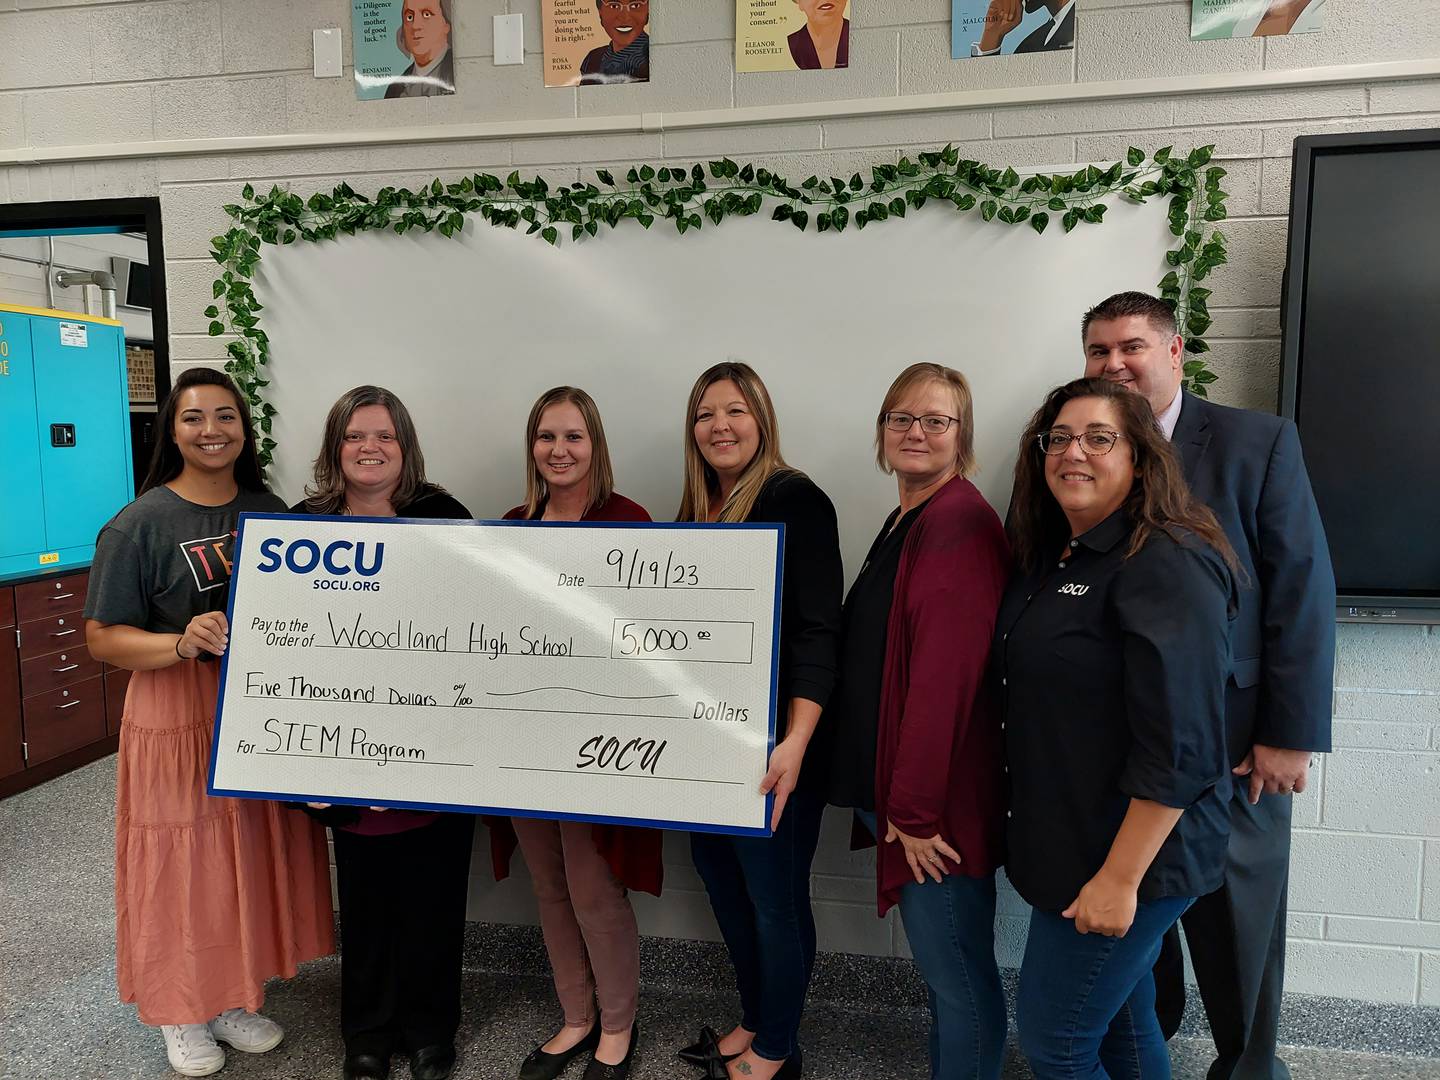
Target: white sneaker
{"points": [[248, 1032], [192, 1050]]}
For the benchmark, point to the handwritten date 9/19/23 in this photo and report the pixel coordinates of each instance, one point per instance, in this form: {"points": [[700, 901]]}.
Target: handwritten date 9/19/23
{"points": [[635, 570]]}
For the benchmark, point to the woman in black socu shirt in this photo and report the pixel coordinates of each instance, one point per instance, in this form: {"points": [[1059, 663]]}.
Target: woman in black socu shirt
{"points": [[1111, 654]]}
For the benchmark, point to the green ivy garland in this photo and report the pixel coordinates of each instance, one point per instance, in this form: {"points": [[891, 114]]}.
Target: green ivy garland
{"points": [[688, 197]]}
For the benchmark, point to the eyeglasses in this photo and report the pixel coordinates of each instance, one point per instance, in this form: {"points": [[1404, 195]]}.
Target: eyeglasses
{"points": [[930, 424], [1095, 443]]}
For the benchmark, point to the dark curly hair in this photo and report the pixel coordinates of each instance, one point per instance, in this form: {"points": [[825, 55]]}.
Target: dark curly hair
{"points": [[1159, 500]]}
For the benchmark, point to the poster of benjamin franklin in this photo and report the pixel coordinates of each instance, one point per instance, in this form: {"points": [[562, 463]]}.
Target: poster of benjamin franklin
{"points": [[403, 48]]}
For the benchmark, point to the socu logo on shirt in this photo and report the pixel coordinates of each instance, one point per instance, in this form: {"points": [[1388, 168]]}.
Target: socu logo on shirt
{"points": [[339, 558], [1071, 589]]}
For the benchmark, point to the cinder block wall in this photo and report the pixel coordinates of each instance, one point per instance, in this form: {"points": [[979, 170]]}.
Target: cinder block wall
{"points": [[1366, 884]]}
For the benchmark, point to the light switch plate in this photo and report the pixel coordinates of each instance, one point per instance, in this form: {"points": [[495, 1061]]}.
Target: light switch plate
{"points": [[509, 39], [328, 61]]}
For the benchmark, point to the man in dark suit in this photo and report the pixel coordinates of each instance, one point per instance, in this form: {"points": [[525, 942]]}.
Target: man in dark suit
{"points": [[1003, 16], [1058, 33], [1247, 467]]}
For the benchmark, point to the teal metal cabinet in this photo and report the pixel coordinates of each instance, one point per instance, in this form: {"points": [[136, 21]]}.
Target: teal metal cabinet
{"points": [[65, 465]]}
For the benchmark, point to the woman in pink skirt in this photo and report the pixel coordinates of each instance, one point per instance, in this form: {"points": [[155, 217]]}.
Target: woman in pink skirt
{"points": [[212, 896]]}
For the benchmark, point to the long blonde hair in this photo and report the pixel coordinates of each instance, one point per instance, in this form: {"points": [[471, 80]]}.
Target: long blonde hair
{"points": [[602, 474], [701, 481]]}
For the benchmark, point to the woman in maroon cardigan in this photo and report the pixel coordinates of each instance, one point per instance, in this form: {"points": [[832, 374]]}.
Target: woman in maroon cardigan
{"points": [[915, 745], [580, 871]]}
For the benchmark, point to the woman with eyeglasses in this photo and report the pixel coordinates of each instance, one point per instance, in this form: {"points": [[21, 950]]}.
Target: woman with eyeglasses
{"points": [[1111, 655], [914, 743]]}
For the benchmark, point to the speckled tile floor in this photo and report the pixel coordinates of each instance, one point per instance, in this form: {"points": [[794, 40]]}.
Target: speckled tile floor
{"points": [[59, 1018]]}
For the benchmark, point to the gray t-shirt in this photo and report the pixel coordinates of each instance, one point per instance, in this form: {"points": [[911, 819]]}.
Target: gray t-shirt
{"points": [[162, 560]]}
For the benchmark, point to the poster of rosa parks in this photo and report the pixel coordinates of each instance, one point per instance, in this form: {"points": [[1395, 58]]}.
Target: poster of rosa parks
{"points": [[596, 42]]}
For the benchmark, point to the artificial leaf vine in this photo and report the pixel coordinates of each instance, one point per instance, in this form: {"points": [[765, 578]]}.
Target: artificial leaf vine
{"points": [[689, 197]]}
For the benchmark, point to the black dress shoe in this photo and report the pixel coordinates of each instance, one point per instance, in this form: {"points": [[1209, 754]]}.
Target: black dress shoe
{"points": [[599, 1070], [542, 1066], [702, 1049], [433, 1062], [366, 1067]]}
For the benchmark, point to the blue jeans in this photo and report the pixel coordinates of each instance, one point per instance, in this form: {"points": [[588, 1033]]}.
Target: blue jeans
{"points": [[951, 927], [1087, 1002], [760, 891]]}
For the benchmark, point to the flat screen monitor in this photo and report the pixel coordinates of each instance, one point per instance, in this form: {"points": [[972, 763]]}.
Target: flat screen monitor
{"points": [[1360, 370], [132, 282]]}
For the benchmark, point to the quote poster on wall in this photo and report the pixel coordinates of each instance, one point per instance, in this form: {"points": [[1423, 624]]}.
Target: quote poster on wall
{"points": [[596, 42], [791, 35], [1003, 27], [1211, 20], [403, 48]]}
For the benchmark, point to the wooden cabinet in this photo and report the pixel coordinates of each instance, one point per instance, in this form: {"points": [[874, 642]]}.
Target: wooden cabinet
{"points": [[44, 673], [41, 599], [12, 760], [55, 698], [64, 720], [41, 637]]}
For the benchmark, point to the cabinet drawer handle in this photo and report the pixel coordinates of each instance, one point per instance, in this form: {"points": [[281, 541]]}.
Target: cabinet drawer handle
{"points": [[62, 633], [62, 670], [68, 705], [61, 596]]}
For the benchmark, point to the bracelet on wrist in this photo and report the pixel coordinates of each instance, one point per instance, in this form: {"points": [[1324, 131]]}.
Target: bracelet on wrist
{"points": [[178, 653]]}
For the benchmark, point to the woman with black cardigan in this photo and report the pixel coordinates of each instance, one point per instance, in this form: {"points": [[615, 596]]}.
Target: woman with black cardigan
{"points": [[402, 875], [760, 887]]}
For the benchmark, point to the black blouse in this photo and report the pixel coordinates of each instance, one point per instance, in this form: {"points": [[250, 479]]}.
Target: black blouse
{"points": [[852, 721], [810, 590], [430, 502], [1112, 676]]}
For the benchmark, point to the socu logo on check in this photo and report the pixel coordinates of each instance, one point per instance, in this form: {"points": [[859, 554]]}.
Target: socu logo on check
{"points": [[338, 558]]}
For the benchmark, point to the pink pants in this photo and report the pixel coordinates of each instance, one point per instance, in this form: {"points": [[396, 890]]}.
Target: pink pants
{"points": [[587, 920]]}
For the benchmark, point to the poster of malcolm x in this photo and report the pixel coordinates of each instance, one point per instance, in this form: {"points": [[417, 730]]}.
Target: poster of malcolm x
{"points": [[1004, 27], [403, 48]]}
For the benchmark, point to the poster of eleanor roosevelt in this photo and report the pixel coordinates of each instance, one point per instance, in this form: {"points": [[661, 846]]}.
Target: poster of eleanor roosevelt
{"points": [[403, 48], [792, 35]]}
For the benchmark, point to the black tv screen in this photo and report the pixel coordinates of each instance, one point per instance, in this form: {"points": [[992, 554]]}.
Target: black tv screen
{"points": [[1360, 373], [137, 287]]}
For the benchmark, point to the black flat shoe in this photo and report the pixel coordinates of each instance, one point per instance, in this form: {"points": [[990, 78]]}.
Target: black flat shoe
{"points": [[366, 1067], [433, 1062], [542, 1066], [599, 1070], [702, 1049]]}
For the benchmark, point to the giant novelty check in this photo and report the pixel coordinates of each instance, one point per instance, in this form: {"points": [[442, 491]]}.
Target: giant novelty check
{"points": [[619, 673]]}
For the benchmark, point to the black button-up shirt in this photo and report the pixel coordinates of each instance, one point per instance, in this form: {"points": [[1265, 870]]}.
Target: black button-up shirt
{"points": [[1112, 675]]}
